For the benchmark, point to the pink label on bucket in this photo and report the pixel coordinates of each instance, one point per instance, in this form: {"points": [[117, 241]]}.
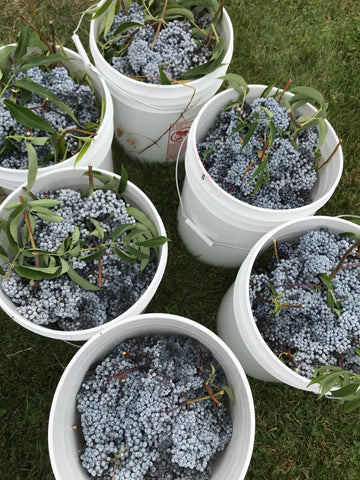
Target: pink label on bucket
{"points": [[177, 134]]}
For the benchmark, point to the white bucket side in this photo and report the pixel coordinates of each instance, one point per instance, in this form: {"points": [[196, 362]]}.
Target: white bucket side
{"points": [[64, 441], [148, 117], [224, 218], [236, 324], [74, 179], [99, 153]]}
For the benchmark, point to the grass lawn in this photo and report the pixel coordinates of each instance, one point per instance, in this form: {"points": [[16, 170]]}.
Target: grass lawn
{"points": [[298, 436]]}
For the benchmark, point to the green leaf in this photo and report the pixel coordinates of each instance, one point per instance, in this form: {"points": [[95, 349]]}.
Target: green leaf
{"points": [[11, 225], [99, 10], [37, 273], [75, 235], [22, 44], [2, 271], [47, 214], [44, 202], [75, 277], [137, 252], [123, 255], [124, 27], [38, 61], [237, 82], [33, 166], [120, 229], [163, 78], [324, 277], [308, 94], [174, 13], [12, 205], [267, 90], [99, 230], [43, 92], [5, 53], [229, 392], [345, 391], [123, 181], [93, 256], [87, 142], [154, 242], [27, 117], [350, 406], [249, 134], [142, 218]]}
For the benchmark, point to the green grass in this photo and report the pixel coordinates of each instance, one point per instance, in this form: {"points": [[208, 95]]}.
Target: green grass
{"points": [[298, 436]]}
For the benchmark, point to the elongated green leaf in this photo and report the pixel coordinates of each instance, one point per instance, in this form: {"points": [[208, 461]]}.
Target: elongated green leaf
{"points": [[154, 242], [38, 61], [125, 26], [99, 230], [37, 273], [2, 271], [324, 277], [123, 255], [139, 230], [237, 82], [27, 117], [229, 392], [142, 218], [120, 229], [99, 10], [5, 53], [44, 202], [11, 225], [75, 277], [123, 181], [249, 134], [22, 44], [350, 406], [174, 13], [163, 78], [93, 256], [347, 390], [308, 93], [33, 166], [12, 205], [75, 235], [87, 143], [137, 253], [43, 92], [267, 90], [47, 214]]}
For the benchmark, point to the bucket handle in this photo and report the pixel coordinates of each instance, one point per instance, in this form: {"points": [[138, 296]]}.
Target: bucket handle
{"points": [[209, 242], [84, 57]]}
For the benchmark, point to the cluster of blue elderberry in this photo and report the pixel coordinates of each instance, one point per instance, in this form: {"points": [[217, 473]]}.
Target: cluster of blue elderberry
{"points": [[276, 176], [75, 94], [59, 302], [316, 322], [146, 414], [144, 50]]}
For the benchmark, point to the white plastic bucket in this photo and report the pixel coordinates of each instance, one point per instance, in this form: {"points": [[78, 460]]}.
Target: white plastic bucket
{"points": [[152, 120], [218, 228], [235, 322], [98, 154], [64, 442], [71, 178]]}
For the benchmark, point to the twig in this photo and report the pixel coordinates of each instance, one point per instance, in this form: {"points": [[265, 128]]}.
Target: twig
{"points": [[343, 258], [160, 21], [206, 385], [275, 250], [284, 90], [328, 160]]}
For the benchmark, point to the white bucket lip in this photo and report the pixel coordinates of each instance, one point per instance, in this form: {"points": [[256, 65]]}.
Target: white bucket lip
{"points": [[106, 121], [161, 88], [273, 364], [80, 335], [235, 201], [154, 318]]}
